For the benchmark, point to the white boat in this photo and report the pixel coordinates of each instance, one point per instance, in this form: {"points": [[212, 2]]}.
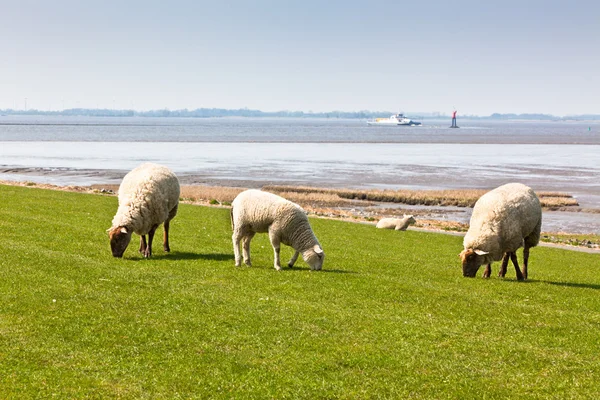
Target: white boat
{"points": [[395, 120]]}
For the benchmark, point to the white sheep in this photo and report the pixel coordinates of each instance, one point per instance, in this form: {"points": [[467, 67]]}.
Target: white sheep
{"points": [[503, 220], [399, 224], [254, 211], [148, 197]]}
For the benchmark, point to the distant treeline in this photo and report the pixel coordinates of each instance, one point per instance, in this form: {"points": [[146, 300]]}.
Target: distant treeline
{"points": [[245, 112], [199, 113], [548, 117]]}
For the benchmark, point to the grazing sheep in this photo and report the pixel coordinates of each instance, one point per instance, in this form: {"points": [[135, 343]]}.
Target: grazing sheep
{"points": [[399, 224], [255, 211], [148, 197], [503, 220]]}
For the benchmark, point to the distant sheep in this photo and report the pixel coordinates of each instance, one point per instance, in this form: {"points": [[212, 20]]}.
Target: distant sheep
{"points": [[255, 211], [399, 224], [503, 220], [148, 197]]}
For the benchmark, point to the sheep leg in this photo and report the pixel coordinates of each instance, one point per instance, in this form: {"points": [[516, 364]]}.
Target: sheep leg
{"points": [[504, 265], [277, 262], [513, 258], [275, 242], [246, 248], [487, 271], [293, 259], [236, 237], [525, 261], [148, 252], [166, 237], [142, 244]]}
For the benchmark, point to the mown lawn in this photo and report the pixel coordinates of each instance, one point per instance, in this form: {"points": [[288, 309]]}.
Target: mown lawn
{"points": [[390, 316]]}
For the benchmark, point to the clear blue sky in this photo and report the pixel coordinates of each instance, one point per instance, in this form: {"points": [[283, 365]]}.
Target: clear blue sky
{"points": [[419, 56]]}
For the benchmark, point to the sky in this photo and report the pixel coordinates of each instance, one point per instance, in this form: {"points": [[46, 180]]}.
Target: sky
{"points": [[479, 57]]}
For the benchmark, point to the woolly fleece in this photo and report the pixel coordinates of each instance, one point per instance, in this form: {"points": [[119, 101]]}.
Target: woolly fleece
{"points": [[148, 196], [399, 224], [502, 219], [255, 211]]}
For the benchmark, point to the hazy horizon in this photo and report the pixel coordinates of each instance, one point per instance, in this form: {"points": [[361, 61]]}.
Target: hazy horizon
{"points": [[371, 113], [538, 57]]}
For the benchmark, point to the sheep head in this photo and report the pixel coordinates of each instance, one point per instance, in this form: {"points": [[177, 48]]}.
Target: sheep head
{"points": [[120, 237], [472, 260], [314, 256], [410, 219]]}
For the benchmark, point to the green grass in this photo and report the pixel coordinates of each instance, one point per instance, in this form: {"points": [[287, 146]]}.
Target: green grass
{"points": [[390, 316]]}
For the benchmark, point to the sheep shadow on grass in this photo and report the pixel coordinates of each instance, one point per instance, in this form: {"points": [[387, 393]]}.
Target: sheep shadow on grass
{"points": [[565, 284], [185, 255], [574, 285], [324, 270], [285, 268]]}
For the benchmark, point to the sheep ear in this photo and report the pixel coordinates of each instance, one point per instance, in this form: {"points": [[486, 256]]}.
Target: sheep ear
{"points": [[481, 252], [123, 230], [318, 249]]}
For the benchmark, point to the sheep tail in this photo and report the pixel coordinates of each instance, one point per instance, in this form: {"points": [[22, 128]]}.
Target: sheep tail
{"points": [[231, 218]]}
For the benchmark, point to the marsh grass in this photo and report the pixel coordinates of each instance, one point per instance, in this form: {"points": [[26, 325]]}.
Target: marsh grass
{"points": [[390, 316], [458, 198], [200, 194]]}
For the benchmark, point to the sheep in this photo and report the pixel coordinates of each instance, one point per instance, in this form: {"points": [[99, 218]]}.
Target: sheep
{"points": [[148, 197], [254, 211], [503, 220], [398, 224]]}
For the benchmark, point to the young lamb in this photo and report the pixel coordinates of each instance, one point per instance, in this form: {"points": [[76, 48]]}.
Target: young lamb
{"points": [[255, 211], [148, 197], [399, 224], [503, 220]]}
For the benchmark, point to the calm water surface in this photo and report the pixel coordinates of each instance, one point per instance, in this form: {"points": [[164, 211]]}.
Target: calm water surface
{"points": [[290, 130]]}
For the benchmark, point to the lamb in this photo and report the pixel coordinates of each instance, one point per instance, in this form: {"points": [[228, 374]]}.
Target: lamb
{"points": [[148, 197], [399, 224], [254, 211], [503, 220]]}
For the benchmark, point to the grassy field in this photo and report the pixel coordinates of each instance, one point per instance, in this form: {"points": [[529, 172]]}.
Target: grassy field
{"points": [[390, 316]]}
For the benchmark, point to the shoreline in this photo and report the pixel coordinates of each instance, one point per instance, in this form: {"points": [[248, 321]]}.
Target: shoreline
{"points": [[348, 210]]}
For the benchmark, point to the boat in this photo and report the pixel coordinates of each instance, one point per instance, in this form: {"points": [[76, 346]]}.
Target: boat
{"points": [[394, 120]]}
